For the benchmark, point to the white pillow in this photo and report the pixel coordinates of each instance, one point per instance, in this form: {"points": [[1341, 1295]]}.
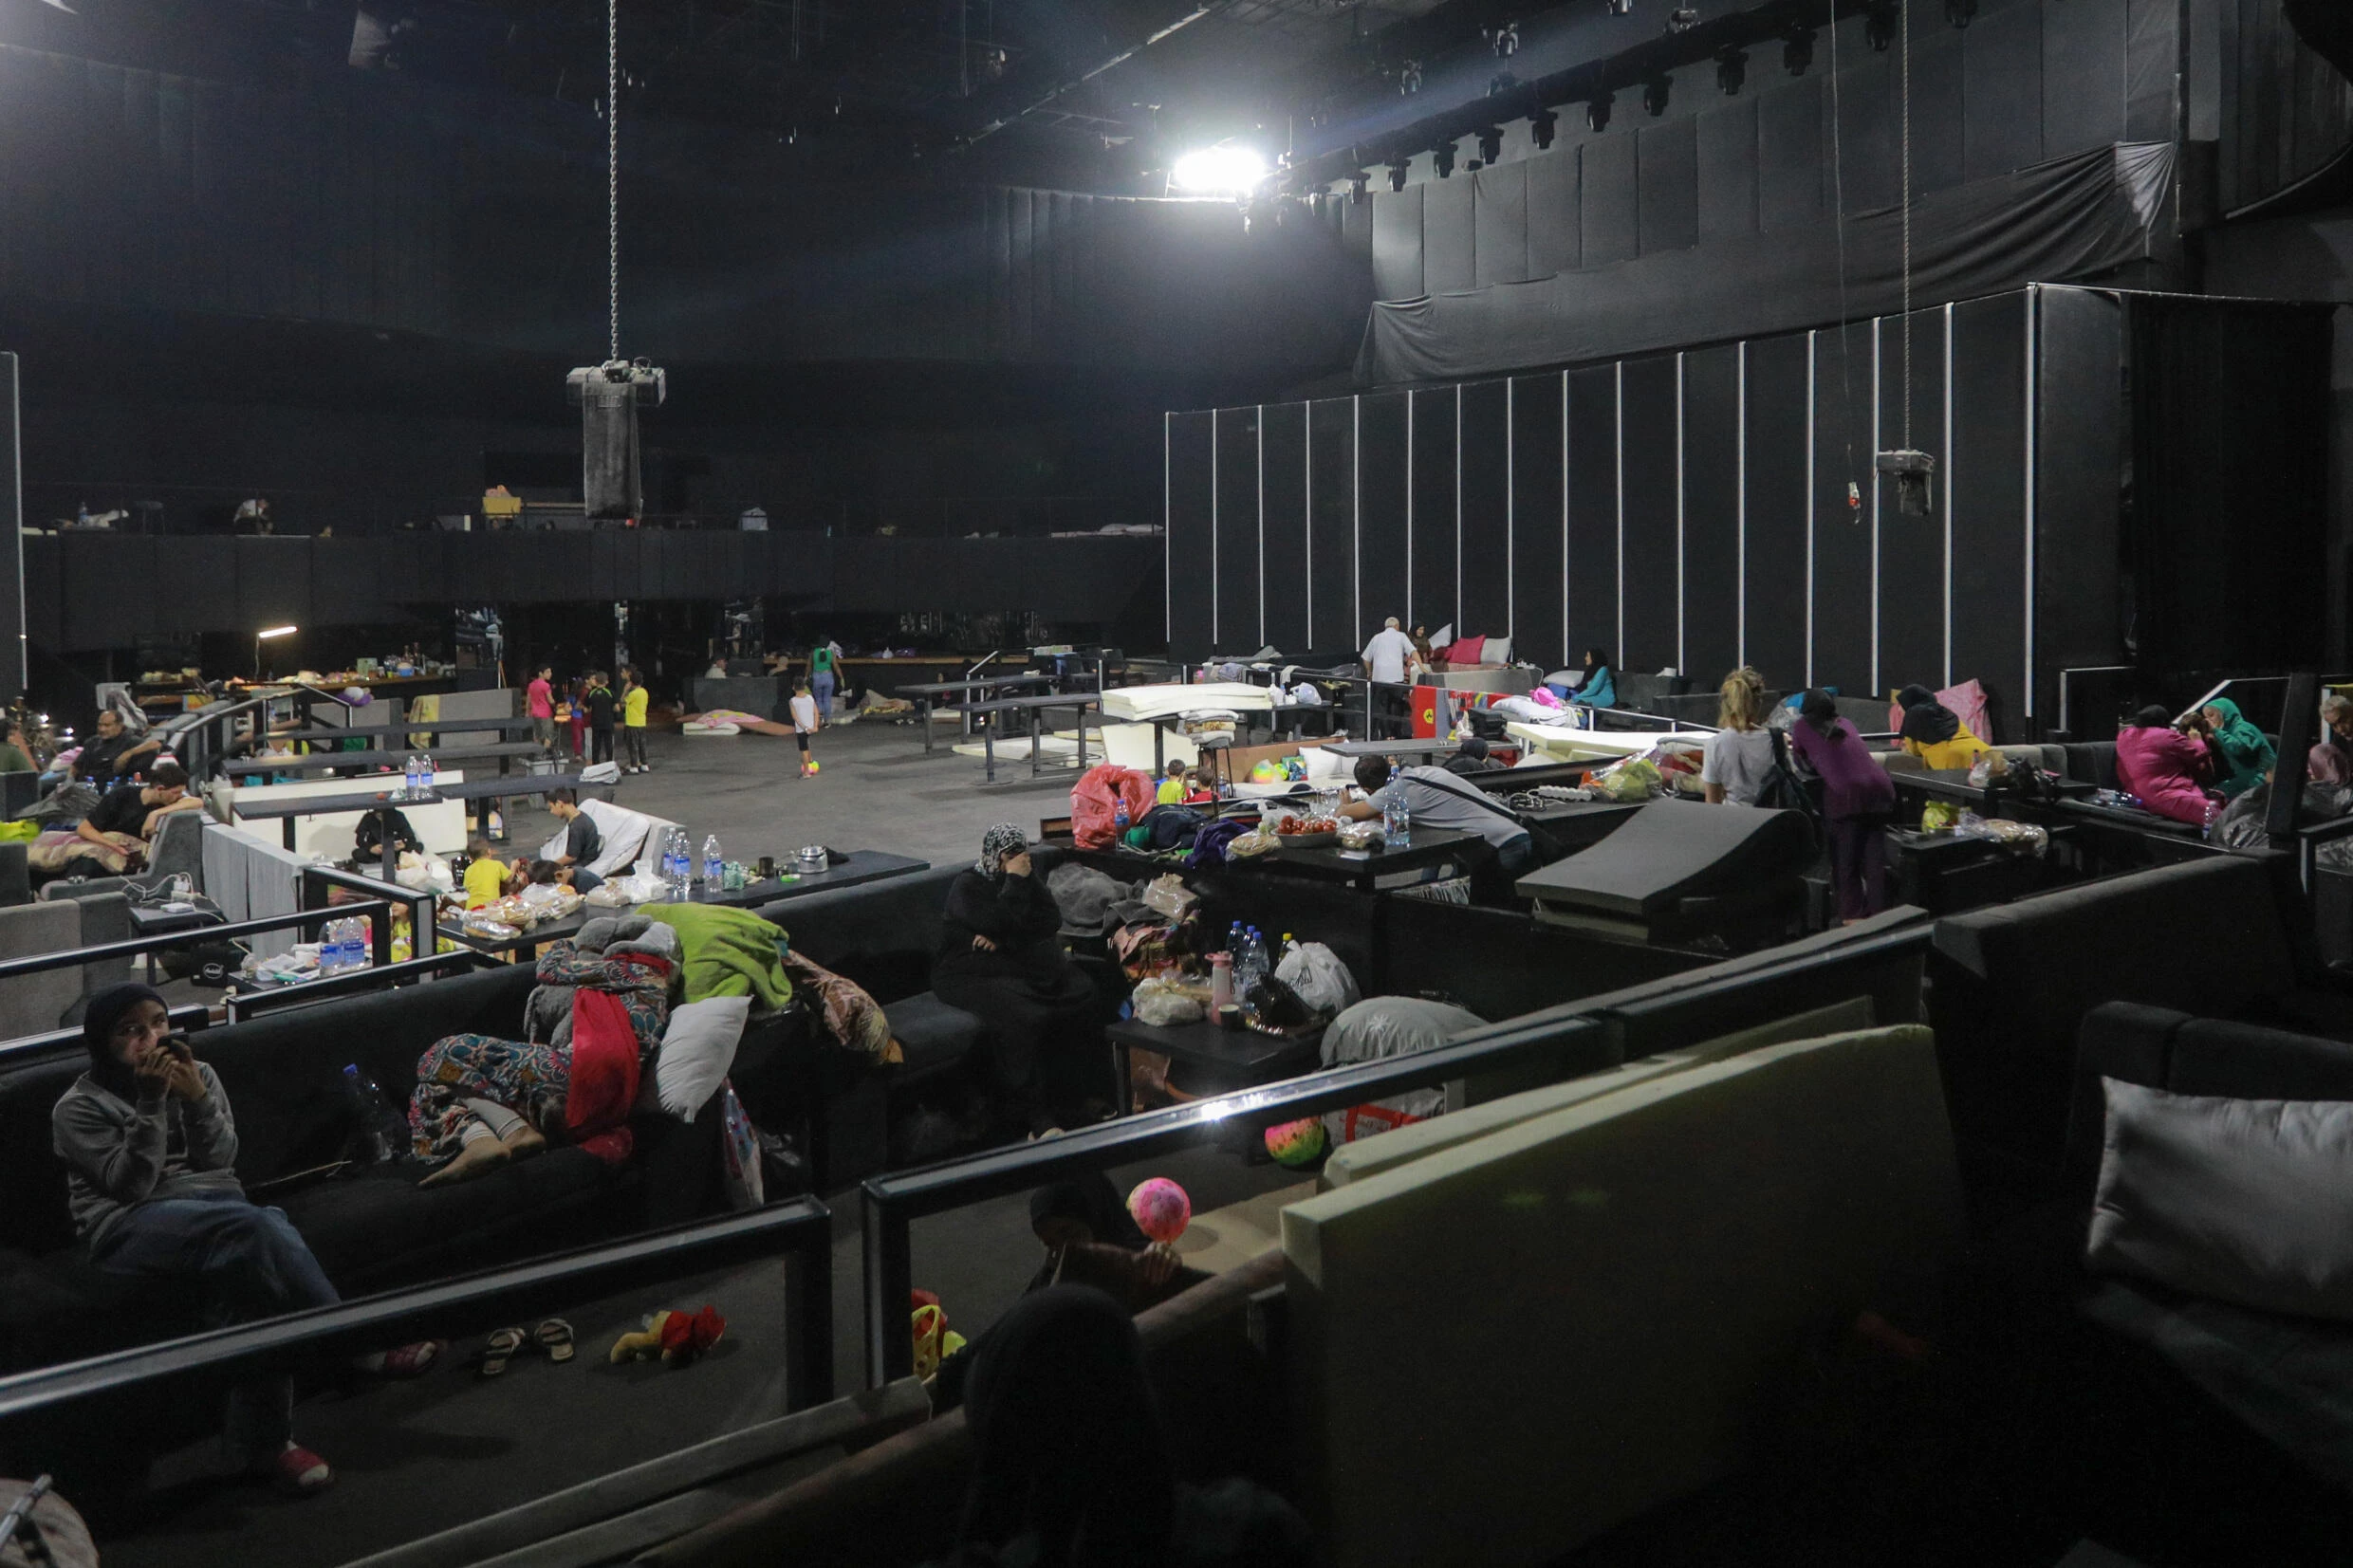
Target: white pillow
{"points": [[2245, 1200], [1499, 650], [1323, 763], [697, 1049]]}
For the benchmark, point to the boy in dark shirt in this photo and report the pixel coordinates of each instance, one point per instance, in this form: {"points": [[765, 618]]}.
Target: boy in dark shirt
{"points": [[134, 809], [598, 699], [581, 842]]}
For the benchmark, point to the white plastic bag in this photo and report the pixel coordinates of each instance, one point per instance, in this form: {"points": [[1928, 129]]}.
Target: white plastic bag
{"points": [[1320, 979], [1160, 1003], [1169, 896], [740, 1152]]}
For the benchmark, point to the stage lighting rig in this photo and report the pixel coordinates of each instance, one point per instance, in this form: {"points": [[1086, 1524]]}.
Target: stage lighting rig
{"points": [[1915, 475], [1879, 27], [1398, 172], [1961, 12], [1622, 8], [1224, 170], [1797, 50], [1409, 79], [1542, 126], [1505, 40], [1359, 185], [1732, 71], [1654, 94], [1442, 158], [1491, 143], [1597, 112], [1683, 19]]}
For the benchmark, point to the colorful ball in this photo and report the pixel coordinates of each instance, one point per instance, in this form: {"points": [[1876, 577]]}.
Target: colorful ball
{"points": [[1297, 1144], [1160, 1208]]}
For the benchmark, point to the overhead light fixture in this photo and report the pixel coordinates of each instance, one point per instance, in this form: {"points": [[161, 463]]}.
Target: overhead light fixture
{"points": [[269, 634], [1505, 40], [1442, 155], [1732, 69], [1541, 126], [1359, 184], [1961, 12], [1409, 78], [1797, 50], [1596, 113], [1397, 173], [1655, 93], [1219, 171], [1490, 144], [1620, 8], [1683, 19], [1879, 27]]}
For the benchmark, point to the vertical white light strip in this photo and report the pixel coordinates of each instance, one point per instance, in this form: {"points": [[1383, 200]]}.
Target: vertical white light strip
{"points": [[1262, 524], [1876, 488], [1740, 510], [1356, 519], [2034, 305], [1618, 380], [1682, 659], [1511, 510], [1212, 530], [1947, 488], [1810, 346], [1306, 522], [1407, 611], [1460, 626], [1168, 524], [1564, 629]]}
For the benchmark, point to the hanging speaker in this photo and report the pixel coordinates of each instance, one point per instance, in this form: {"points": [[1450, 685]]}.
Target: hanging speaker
{"points": [[608, 396]]}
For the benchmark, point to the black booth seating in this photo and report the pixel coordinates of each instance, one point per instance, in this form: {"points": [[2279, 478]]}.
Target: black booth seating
{"points": [[284, 1076]]}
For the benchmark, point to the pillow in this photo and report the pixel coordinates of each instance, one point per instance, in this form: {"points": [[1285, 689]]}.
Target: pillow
{"points": [[2245, 1200], [1499, 650], [1323, 763], [697, 1049]]}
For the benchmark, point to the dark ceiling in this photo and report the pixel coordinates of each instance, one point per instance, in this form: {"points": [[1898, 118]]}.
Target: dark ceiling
{"points": [[1090, 94]]}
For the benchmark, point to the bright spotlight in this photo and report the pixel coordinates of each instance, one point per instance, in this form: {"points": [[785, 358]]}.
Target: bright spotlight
{"points": [[1219, 171]]}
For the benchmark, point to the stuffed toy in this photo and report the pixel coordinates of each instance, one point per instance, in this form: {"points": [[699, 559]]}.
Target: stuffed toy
{"points": [[678, 1338], [934, 1342]]}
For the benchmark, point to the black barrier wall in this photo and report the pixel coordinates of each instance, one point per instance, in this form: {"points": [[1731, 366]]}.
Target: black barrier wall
{"points": [[1691, 510]]}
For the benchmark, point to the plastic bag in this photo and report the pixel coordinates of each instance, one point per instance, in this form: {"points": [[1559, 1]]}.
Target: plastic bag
{"points": [[1095, 801], [1633, 778], [1168, 896], [741, 1147], [2026, 836], [1382, 1027], [425, 872], [1320, 979], [1257, 841], [1161, 1003]]}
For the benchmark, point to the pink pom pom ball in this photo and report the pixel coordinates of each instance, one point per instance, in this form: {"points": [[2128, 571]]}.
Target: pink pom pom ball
{"points": [[1160, 1208]]}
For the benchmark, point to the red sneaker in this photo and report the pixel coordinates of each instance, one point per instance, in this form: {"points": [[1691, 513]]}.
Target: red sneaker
{"points": [[298, 1472]]}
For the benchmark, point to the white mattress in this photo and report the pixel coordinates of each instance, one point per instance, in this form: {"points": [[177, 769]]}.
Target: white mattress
{"points": [[1561, 743], [1160, 702]]}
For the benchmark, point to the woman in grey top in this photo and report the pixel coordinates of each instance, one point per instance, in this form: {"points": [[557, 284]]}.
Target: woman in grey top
{"points": [[150, 1150], [1740, 754]]}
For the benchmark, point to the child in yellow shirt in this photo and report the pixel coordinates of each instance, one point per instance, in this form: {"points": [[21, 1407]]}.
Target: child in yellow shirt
{"points": [[486, 876]]}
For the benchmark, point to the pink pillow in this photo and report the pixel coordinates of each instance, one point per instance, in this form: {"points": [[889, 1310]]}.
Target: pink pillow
{"points": [[1466, 650]]}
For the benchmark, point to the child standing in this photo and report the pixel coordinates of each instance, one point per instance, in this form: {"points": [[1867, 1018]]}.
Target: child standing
{"points": [[805, 725], [635, 699], [598, 700]]}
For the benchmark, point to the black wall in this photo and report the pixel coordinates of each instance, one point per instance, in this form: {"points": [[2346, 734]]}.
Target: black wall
{"points": [[1691, 510]]}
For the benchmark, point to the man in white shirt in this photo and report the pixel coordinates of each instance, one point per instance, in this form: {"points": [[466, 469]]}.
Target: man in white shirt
{"points": [[1389, 659]]}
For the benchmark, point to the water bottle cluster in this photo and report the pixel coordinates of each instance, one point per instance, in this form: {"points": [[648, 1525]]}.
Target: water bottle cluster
{"points": [[417, 772], [346, 945]]}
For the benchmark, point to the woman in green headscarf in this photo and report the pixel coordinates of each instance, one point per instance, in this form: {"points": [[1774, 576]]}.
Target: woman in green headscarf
{"points": [[2242, 755]]}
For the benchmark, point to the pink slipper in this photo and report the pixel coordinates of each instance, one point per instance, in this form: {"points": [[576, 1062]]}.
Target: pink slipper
{"points": [[297, 1471]]}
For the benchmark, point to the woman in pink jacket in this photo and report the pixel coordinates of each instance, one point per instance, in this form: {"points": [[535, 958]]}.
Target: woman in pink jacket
{"points": [[2170, 771]]}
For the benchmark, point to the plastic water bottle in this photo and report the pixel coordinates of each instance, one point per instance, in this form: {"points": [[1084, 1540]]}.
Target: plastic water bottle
{"points": [[1394, 825], [331, 938], [381, 1133], [1119, 817], [675, 868], [715, 866], [353, 949], [424, 775], [2208, 831], [408, 778]]}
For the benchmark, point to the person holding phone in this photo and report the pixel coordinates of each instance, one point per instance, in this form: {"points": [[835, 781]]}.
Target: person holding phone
{"points": [[150, 1150]]}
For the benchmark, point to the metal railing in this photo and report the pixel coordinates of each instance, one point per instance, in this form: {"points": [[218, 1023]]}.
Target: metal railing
{"points": [[138, 947], [798, 1231], [312, 894], [245, 1005], [186, 1020]]}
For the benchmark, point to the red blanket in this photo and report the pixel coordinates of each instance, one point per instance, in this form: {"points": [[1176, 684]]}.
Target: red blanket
{"points": [[604, 1076]]}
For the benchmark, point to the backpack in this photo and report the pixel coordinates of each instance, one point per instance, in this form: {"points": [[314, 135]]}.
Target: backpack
{"points": [[1783, 790]]}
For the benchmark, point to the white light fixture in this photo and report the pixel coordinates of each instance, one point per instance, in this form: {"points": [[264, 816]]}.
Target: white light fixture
{"points": [[1219, 171], [267, 635]]}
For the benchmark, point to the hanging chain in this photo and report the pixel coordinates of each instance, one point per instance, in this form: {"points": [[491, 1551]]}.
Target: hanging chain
{"points": [[612, 176], [1905, 44]]}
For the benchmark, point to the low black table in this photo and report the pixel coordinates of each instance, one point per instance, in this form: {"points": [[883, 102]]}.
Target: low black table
{"points": [[155, 920], [1087, 707], [864, 865], [1429, 854], [1240, 1058]]}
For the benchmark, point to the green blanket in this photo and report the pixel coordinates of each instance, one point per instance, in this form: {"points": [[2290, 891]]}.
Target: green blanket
{"points": [[729, 952]]}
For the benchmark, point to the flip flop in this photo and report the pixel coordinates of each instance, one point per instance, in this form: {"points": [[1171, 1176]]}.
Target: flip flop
{"points": [[411, 1360], [501, 1348], [555, 1337]]}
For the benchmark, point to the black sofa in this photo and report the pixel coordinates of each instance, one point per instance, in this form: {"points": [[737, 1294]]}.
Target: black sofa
{"points": [[2009, 985], [283, 1074]]}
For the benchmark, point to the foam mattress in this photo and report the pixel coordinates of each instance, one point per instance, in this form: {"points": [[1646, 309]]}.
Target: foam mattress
{"points": [[1674, 850], [1166, 701]]}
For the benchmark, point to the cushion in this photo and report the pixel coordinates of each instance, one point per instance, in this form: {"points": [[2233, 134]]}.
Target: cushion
{"points": [[698, 1048], [1671, 851], [2245, 1200], [934, 1036], [1323, 763]]}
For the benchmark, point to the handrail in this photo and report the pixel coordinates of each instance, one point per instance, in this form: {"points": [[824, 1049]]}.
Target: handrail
{"points": [[799, 1229], [186, 1020], [420, 905], [244, 1004], [891, 1202], [138, 947]]}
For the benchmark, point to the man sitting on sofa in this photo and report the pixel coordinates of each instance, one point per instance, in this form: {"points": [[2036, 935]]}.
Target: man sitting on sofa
{"points": [[135, 809], [115, 752], [583, 843]]}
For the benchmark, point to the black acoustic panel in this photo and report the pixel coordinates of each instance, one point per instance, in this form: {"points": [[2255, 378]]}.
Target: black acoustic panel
{"points": [[1539, 521], [1331, 524], [2152, 66], [1396, 244], [1863, 103], [2083, 79], [1652, 611], [1911, 570], [44, 597], [1236, 618], [1712, 511], [1986, 496], [1487, 457], [615, 554], [1841, 648], [2002, 91], [2080, 462], [1286, 563], [1938, 115], [1436, 520], [1501, 252], [1384, 545], [1727, 169], [1553, 223], [1790, 165], [346, 577], [1776, 510], [1449, 235], [273, 582], [1667, 159], [14, 605], [499, 565], [1355, 230], [1609, 202], [1592, 511], [97, 571]]}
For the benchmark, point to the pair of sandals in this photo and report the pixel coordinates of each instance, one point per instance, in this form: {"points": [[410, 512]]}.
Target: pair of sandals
{"points": [[554, 1337]]}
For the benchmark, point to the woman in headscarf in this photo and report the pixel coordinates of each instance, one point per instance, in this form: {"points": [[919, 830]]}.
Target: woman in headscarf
{"points": [[2170, 772], [1071, 1465], [1934, 732], [2242, 753], [1858, 803], [1600, 687], [1001, 959], [150, 1150]]}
